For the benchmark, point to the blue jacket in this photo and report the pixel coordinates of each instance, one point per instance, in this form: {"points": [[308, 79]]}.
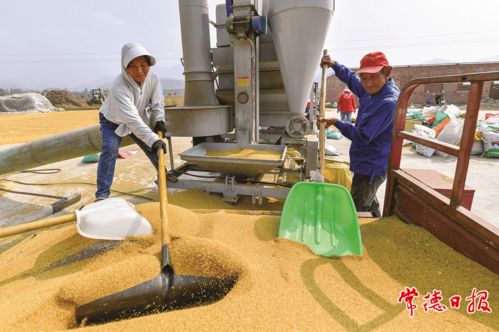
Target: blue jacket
{"points": [[372, 134]]}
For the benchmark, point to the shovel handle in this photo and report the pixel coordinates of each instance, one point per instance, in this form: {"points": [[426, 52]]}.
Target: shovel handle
{"points": [[14, 230], [322, 125], [163, 199], [65, 201]]}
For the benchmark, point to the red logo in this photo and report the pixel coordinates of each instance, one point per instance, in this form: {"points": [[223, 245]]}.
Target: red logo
{"points": [[433, 301], [478, 302], [408, 297]]}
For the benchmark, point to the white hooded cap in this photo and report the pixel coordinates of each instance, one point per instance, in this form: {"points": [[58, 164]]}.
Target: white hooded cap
{"points": [[131, 51]]}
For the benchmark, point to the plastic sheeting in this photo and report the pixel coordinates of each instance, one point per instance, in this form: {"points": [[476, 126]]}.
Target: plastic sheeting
{"points": [[427, 133], [26, 103]]}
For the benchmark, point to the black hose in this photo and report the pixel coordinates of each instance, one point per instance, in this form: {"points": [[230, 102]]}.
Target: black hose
{"points": [[31, 194]]}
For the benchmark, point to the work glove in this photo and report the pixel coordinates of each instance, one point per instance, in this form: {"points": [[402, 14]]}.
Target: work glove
{"points": [[160, 126], [158, 145]]}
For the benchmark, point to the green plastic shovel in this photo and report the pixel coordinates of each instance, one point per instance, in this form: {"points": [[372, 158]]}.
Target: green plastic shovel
{"points": [[322, 216]]}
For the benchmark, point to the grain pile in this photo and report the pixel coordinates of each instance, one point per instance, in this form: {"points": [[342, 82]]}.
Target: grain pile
{"points": [[246, 154], [282, 286], [39, 125]]}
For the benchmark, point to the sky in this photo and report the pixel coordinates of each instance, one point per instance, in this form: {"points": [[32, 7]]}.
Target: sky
{"points": [[72, 43]]}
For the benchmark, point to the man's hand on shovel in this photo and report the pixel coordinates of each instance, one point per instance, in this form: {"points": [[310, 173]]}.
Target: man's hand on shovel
{"points": [[158, 145]]}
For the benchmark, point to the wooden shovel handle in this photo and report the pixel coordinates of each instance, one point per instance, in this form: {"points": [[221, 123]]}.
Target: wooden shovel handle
{"points": [[163, 199], [322, 126], [14, 230]]}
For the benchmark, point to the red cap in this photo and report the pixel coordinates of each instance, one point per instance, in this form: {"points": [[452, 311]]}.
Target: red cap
{"points": [[373, 63]]}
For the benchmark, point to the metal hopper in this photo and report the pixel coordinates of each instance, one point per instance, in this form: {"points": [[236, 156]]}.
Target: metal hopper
{"points": [[299, 29], [239, 166]]}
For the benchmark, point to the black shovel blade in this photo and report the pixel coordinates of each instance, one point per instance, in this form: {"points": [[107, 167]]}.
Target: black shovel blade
{"points": [[163, 293]]}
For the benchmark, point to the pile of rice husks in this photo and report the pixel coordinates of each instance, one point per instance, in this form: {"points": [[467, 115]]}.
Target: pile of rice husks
{"points": [[281, 285]]}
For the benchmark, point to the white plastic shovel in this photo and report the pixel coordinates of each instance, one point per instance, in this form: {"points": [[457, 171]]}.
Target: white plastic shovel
{"points": [[110, 219]]}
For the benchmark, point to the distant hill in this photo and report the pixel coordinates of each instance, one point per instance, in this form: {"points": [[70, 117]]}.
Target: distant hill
{"points": [[11, 85], [171, 84], [173, 72], [171, 78], [103, 82]]}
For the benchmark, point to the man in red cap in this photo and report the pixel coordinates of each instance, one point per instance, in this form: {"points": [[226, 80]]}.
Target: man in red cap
{"points": [[371, 135], [346, 105]]}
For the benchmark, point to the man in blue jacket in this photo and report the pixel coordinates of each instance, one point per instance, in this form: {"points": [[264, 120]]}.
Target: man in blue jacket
{"points": [[371, 135]]}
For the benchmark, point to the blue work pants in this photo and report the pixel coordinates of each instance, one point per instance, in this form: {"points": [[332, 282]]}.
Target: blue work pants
{"points": [[109, 152], [346, 117]]}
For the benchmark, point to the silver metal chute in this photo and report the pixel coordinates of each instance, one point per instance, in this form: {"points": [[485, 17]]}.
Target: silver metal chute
{"points": [[201, 114], [52, 149]]}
